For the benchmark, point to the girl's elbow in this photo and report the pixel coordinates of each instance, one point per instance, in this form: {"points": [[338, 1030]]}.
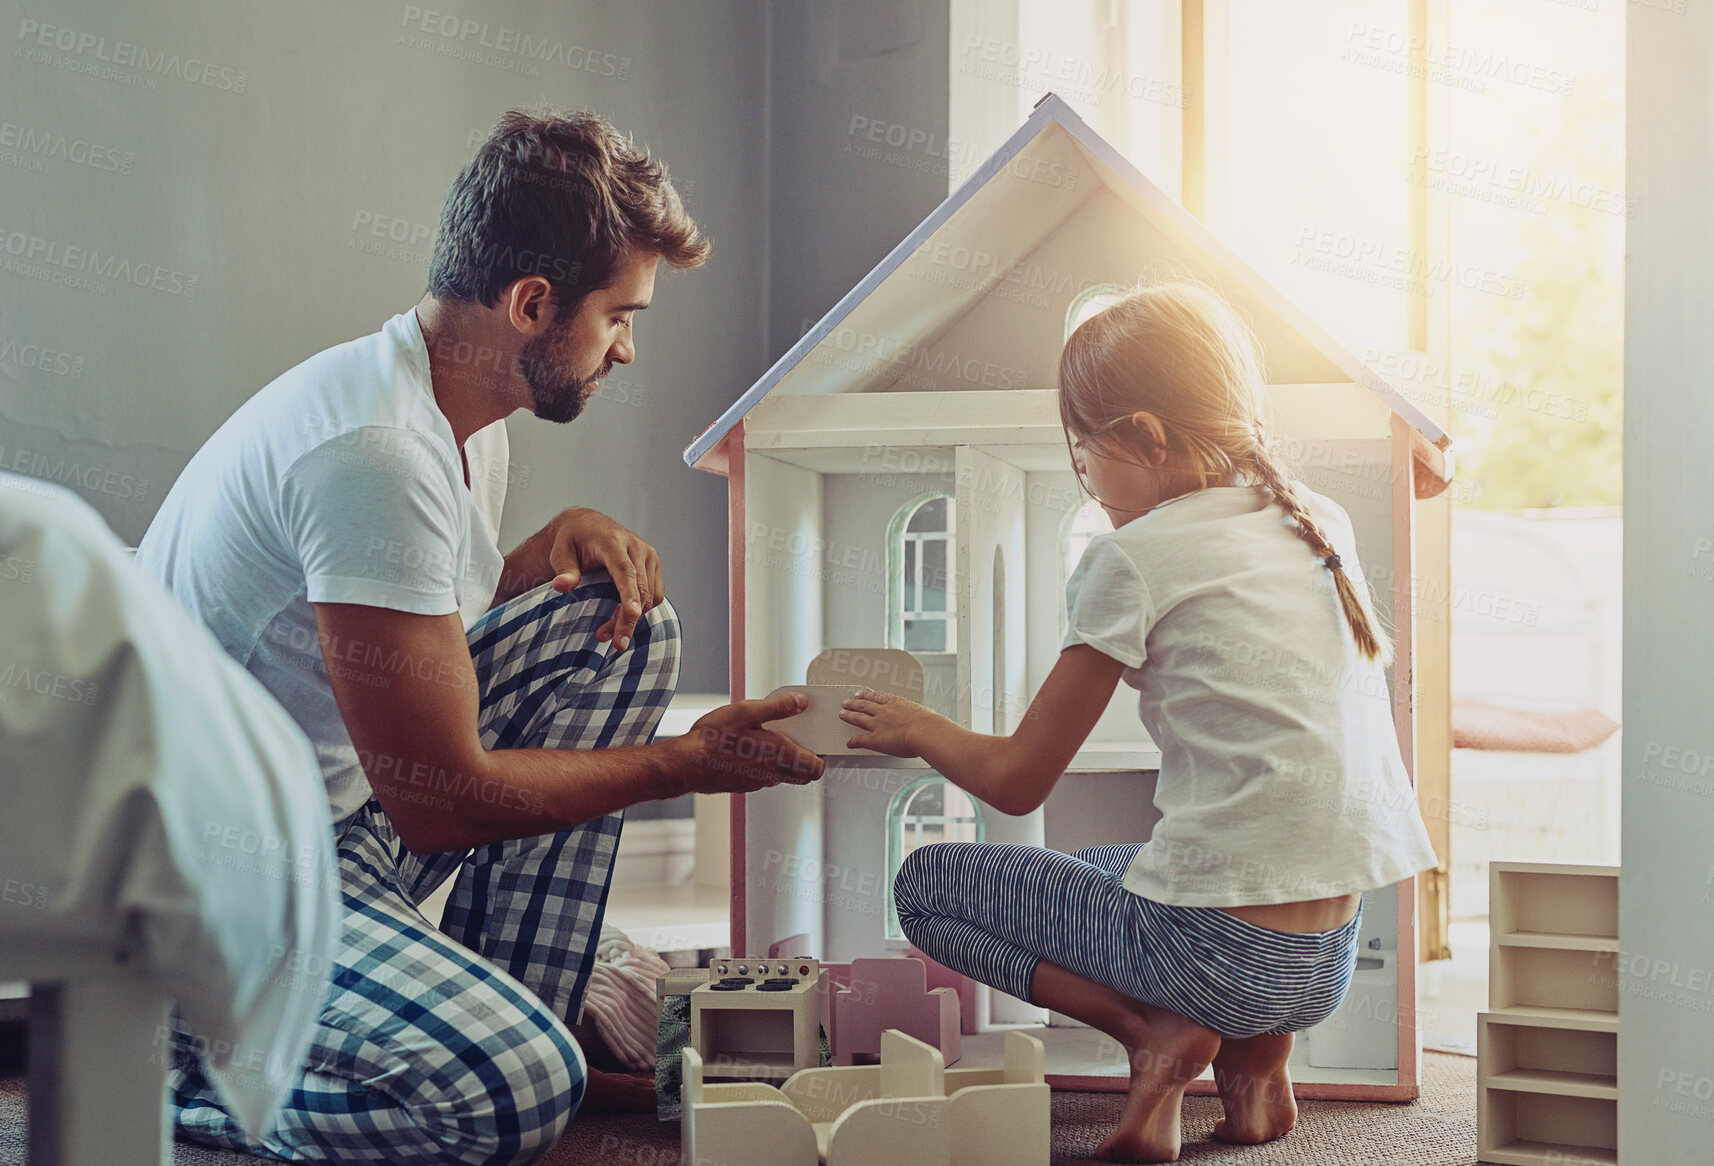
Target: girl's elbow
{"points": [[1018, 796]]}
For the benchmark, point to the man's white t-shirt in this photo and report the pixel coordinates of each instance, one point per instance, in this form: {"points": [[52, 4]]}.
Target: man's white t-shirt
{"points": [[340, 482], [1281, 778]]}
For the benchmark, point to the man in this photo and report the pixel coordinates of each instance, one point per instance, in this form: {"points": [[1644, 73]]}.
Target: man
{"points": [[474, 714]]}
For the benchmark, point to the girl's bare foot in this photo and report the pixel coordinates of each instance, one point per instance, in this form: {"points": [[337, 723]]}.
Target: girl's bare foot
{"points": [[1167, 1052], [1255, 1090]]}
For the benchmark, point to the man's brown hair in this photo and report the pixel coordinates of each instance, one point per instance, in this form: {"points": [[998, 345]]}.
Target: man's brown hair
{"points": [[559, 195]]}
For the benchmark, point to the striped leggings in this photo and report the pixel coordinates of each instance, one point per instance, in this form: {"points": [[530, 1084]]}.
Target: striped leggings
{"points": [[992, 912]]}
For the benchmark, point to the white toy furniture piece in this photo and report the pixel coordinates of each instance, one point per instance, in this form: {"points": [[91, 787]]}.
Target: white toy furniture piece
{"points": [[759, 1020], [1547, 1050], [893, 993], [907, 1111], [899, 482]]}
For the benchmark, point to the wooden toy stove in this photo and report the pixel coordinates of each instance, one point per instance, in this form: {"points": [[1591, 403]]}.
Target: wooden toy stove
{"points": [[759, 1019]]}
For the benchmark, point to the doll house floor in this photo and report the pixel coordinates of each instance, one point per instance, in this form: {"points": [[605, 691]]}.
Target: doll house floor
{"points": [[1084, 1052]]}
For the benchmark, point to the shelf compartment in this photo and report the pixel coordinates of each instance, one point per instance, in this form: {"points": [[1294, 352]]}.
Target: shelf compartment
{"points": [[746, 1043], [1536, 1129], [1555, 979], [1528, 1058], [1548, 900]]}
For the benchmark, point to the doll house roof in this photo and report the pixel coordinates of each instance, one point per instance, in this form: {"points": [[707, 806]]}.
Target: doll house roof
{"points": [[977, 296]]}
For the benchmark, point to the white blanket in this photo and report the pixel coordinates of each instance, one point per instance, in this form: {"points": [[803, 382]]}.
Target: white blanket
{"points": [[153, 796], [621, 998]]}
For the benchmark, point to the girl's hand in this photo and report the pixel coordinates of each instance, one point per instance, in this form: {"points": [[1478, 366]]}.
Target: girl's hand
{"points": [[889, 723]]}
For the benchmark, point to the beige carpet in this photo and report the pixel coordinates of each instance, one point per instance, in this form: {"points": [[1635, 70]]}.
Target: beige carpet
{"points": [[1438, 1130]]}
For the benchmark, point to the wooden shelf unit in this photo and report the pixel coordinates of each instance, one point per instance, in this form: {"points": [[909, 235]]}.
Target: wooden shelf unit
{"points": [[1547, 1049]]}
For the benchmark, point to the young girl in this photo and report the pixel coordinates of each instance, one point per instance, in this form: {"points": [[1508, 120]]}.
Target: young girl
{"points": [[1231, 599]]}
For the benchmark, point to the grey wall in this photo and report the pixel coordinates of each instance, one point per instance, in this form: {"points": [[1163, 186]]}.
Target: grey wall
{"points": [[270, 177], [844, 73]]}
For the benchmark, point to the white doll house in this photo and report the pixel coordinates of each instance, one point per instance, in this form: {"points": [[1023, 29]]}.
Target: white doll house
{"points": [[899, 480]]}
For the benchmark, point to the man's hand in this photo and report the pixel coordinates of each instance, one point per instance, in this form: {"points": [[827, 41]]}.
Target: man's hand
{"points": [[728, 751], [580, 540]]}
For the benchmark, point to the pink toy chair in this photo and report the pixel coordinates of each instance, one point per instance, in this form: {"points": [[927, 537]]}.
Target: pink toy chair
{"points": [[893, 993], [969, 991]]}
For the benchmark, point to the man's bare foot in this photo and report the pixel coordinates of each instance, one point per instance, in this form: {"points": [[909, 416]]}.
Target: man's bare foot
{"points": [[1167, 1052], [1255, 1090], [617, 1093]]}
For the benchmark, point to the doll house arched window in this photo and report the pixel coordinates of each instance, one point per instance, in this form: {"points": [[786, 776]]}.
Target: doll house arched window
{"points": [[921, 616], [1079, 527], [1089, 302], [928, 810]]}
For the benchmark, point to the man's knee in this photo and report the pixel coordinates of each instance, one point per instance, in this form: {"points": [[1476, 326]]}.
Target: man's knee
{"points": [[548, 1111], [523, 1082], [659, 629], [656, 637]]}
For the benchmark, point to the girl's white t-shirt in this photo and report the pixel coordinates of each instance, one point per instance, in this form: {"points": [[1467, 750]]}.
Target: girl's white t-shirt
{"points": [[1281, 778]]}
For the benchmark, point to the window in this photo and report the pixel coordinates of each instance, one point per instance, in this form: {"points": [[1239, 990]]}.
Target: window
{"points": [[1079, 527], [1091, 303], [921, 615], [928, 810]]}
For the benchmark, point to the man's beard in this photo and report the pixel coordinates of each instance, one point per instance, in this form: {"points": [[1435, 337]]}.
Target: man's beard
{"points": [[555, 393]]}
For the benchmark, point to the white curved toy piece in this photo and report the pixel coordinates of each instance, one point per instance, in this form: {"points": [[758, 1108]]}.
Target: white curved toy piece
{"points": [[907, 1111], [818, 727]]}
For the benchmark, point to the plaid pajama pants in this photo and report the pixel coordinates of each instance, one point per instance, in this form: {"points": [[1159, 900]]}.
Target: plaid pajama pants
{"points": [[450, 1048]]}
